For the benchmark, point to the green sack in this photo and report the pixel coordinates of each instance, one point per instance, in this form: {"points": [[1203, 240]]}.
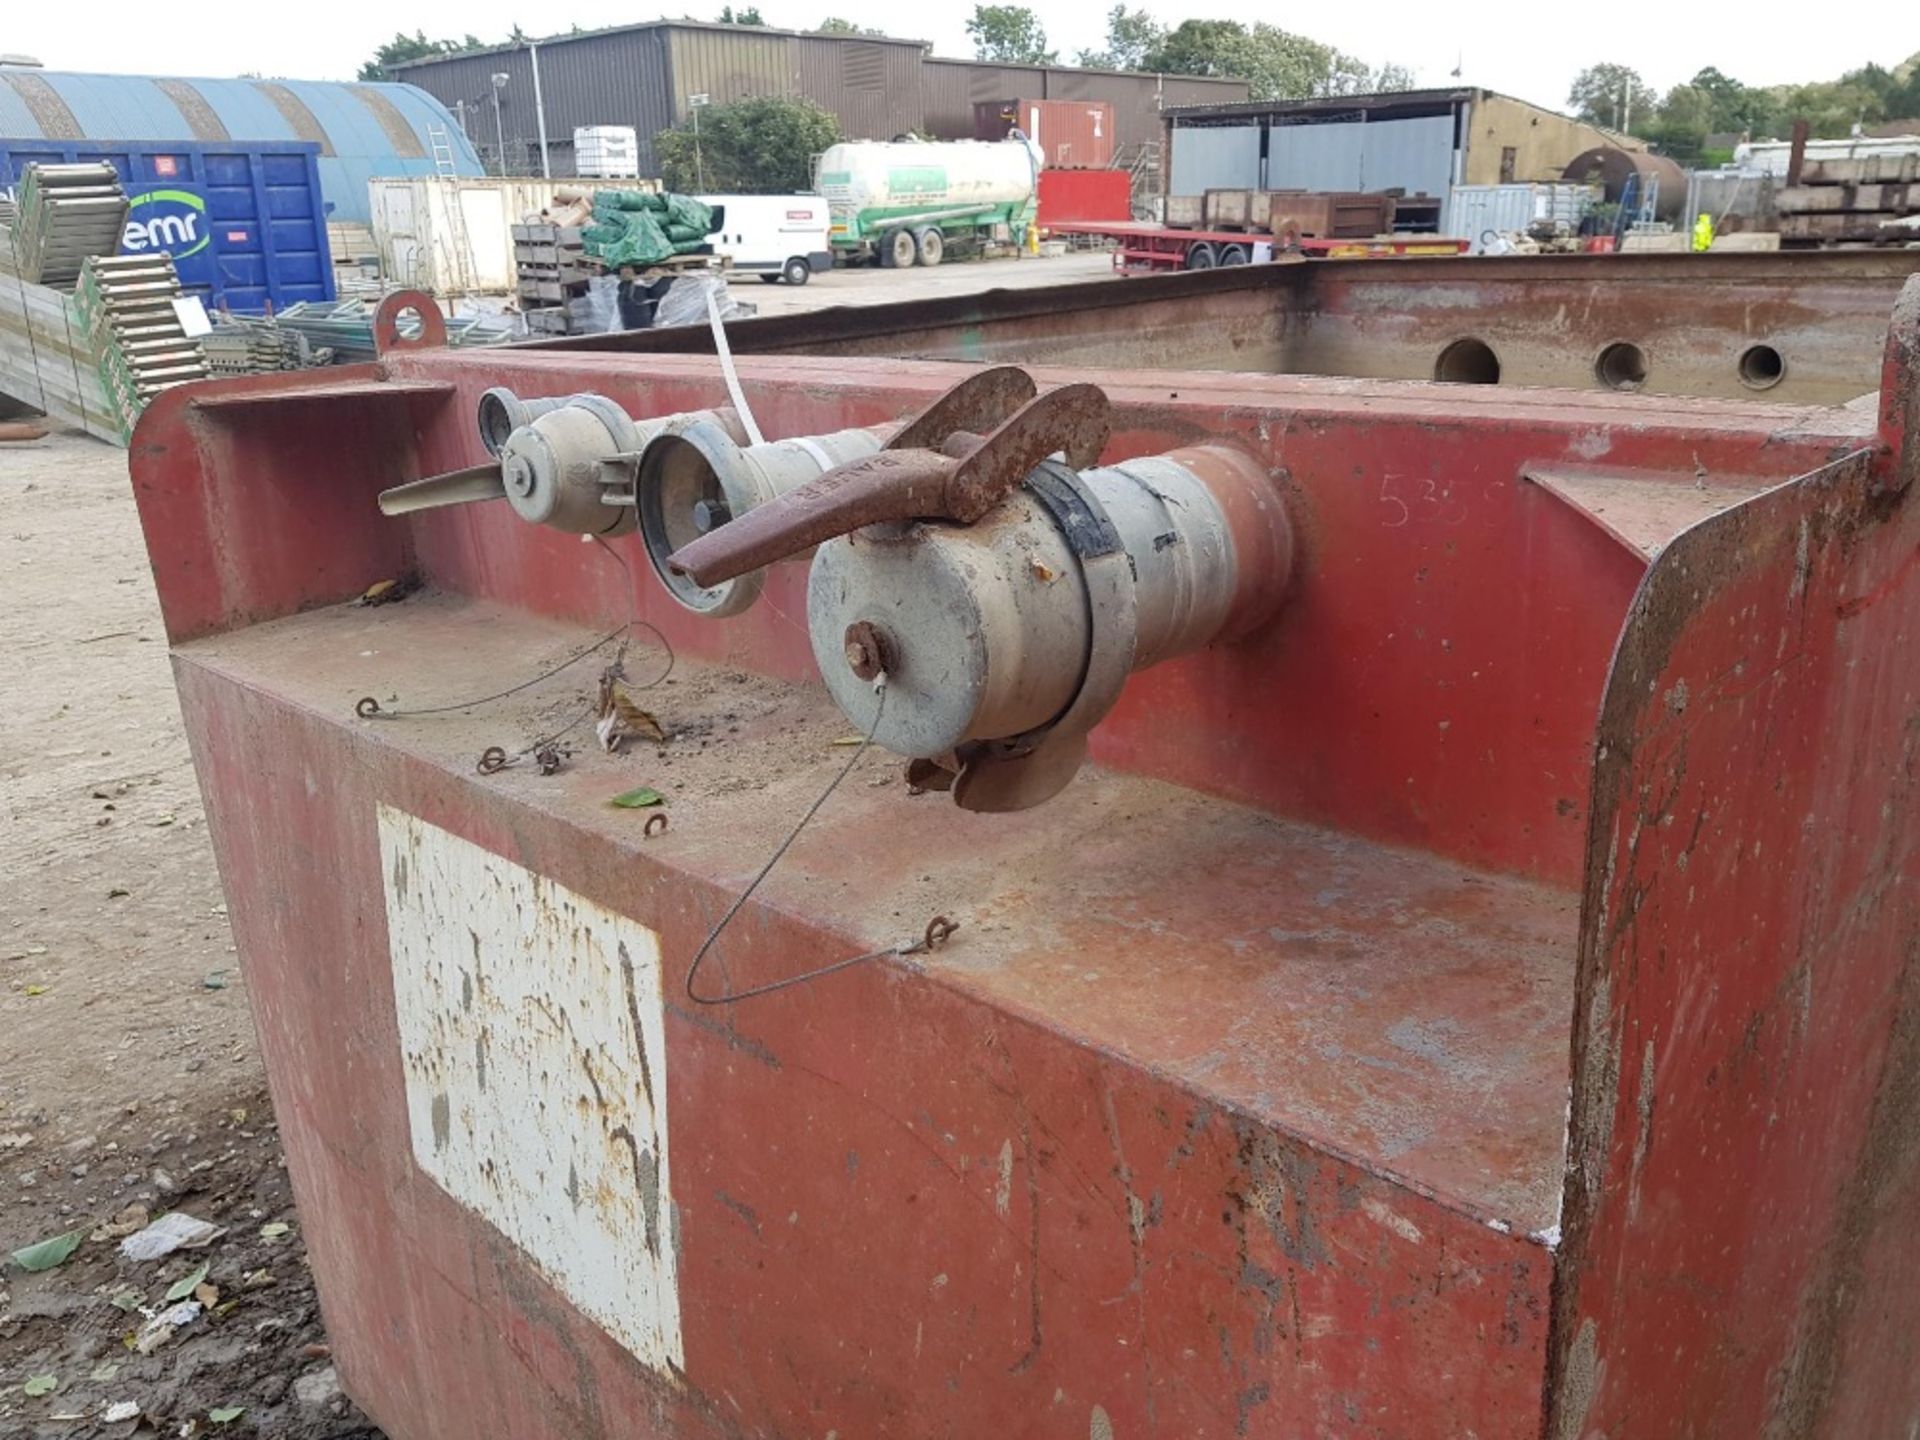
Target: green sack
{"points": [[631, 227]]}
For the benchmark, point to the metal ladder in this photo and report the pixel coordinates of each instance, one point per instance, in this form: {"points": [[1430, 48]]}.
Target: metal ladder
{"points": [[1144, 174], [460, 248]]}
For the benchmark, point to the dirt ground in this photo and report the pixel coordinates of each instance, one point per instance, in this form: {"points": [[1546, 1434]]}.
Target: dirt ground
{"points": [[129, 1081]]}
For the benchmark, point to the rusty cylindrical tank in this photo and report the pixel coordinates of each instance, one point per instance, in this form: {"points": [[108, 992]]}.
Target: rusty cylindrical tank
{"points": [[1611, 167]]}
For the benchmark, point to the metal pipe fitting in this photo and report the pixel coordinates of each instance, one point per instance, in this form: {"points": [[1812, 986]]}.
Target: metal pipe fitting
{"points": [[697, 478], [994, 630]]}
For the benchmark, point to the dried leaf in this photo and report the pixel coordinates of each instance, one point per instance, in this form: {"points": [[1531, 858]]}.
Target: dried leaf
{"points": [[49, 1253], [161, 1328], [638, 799], [104, 1371], [385, 592], [226, 1414], [36, 989], [207, 1295], [275, 1230], [126, 1298], [623, 719], [41, 1384], [183, 1289]]}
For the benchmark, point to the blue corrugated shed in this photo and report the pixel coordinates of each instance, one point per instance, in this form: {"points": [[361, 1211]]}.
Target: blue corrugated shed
{"points": [[363, 130]]}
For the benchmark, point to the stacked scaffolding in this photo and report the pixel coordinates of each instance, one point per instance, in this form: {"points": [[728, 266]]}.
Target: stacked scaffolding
{"points": [[66, 213], [87, 336], [243, 346], [127, 305]]}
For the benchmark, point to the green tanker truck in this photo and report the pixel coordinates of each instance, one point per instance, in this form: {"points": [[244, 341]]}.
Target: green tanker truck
{"points": [[915, 202]]}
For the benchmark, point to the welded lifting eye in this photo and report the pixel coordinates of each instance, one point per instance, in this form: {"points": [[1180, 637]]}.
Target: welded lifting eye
{"points": [[1761, 367], [1469, 361]]}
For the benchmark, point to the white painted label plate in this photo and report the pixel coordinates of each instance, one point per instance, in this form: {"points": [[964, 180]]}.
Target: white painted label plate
{"points": [[534, 1040]]}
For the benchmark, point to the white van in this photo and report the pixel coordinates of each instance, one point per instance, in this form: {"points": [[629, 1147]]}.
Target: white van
{"points": [[777, 237]]}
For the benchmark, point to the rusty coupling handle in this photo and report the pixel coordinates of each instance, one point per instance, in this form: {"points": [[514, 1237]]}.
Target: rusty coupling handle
{"points": [[914, 478]]}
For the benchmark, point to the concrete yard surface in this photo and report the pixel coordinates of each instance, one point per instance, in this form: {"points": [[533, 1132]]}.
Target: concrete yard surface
{"points": [[868, 285]]}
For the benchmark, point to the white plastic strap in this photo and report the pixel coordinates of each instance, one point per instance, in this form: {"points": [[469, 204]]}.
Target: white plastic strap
{"points": [[813, 448], [726, 367]]}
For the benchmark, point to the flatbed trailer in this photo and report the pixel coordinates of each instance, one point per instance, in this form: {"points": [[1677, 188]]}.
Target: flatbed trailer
{"points": [[1144, 247]]}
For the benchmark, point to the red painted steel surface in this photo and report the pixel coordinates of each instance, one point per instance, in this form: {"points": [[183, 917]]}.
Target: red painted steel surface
{"points": [[1224, 1121], [1084, 195], [1746, 1179]]}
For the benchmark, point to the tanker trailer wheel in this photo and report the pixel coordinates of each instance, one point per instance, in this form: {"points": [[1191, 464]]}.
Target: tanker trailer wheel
{"points": [[797, 271], [897, 250], [1201, 256], [1233, 255], [931, 245]]}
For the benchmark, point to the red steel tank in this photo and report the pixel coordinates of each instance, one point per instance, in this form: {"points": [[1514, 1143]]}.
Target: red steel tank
{"points": [[1350, 908]]}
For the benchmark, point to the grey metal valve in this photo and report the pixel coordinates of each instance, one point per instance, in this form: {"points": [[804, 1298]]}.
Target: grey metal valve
{"points": [[569, 463], [1006, 594]]}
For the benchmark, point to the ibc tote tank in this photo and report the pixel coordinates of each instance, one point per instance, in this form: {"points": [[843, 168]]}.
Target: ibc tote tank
{"points": [[869, 182]]}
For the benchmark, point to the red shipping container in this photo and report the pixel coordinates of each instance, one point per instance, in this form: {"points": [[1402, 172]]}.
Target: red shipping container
{"points": [[1085, 196], [1071, 134]]}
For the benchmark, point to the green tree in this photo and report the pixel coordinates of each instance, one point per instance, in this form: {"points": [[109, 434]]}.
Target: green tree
{"points": [[748, 15], [1132, 35], [1612, 95], [412, 47], [759, 146], [1394, 77], [1011, 34], [1681, 125], [1276, 64], [834, 25], [1200, 47]]}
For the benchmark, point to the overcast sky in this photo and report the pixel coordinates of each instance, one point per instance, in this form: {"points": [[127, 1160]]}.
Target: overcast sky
{"points": [[1532, 51]]}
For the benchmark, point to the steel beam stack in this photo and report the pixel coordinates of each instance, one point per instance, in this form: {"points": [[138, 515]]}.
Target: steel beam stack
{"points": [[1853, 200], [241, 346], [346, 328], [66, 214]]}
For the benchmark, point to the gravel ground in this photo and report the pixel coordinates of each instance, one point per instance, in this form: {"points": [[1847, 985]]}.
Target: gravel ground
{"points": [[129, 1081]]}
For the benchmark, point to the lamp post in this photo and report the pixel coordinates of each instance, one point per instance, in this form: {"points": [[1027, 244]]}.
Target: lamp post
{"points": [[499, 135], [540, 112]]}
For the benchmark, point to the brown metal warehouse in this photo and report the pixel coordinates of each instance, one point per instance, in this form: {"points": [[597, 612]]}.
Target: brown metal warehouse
{"points": [[642, 75]]}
